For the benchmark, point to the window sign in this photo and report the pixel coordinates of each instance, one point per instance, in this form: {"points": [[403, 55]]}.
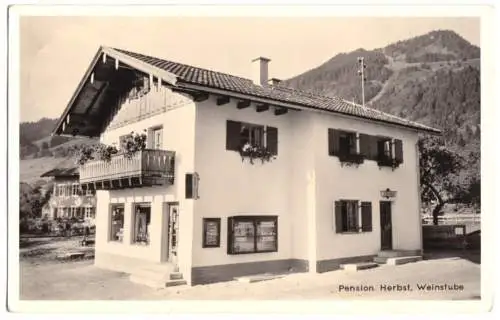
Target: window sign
{"points": [[211, 232]]}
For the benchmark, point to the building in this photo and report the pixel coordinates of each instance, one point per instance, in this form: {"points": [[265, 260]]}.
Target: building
{"points": [[340, 185], [68, 199]]}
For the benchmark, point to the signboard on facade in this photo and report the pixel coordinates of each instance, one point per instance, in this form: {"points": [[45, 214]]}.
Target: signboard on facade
{"points": [[388, 193], [211, 232]]}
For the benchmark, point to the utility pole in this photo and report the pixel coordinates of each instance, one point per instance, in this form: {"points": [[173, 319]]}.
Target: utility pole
{"points": [[361, 72]]}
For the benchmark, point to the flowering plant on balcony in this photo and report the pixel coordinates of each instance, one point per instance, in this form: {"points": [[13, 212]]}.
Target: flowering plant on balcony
{"points": [[255, 152], [133, 143], [96, 152], [130, 145]]}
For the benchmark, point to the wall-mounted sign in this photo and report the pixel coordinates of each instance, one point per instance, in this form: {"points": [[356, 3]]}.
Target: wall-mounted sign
{"points": [[211, 232], [388, 193]]}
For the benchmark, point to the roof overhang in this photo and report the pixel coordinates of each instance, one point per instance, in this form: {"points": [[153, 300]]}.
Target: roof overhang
{"points": [[295, 106], [111, 74], [96, 99]]}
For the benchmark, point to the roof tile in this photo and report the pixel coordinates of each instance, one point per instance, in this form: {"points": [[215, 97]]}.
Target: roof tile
{"points": [[218, 80]]}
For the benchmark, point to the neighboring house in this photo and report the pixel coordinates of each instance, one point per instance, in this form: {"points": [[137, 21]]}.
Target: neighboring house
{"points": [[69, 199], [343, 184]]}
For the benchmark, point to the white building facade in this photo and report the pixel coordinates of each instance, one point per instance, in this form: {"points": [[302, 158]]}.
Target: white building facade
{"points": [[341, 183]]}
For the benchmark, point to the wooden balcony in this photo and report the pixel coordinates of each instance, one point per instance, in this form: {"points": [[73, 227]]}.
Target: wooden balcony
{"points": [[145, 168]]}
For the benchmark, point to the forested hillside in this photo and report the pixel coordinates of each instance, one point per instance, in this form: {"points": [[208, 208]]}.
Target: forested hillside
{"points": [[433, 79]]}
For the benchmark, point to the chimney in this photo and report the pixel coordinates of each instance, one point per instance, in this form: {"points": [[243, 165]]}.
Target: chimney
{"points": [[260, 71]]}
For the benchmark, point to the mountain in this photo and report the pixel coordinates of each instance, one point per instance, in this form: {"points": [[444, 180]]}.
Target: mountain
{"points": [[433, 79], [36, 141], [41, 152]]}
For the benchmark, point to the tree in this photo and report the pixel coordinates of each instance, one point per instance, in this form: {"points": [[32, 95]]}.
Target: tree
{"points": [[439, 168]]}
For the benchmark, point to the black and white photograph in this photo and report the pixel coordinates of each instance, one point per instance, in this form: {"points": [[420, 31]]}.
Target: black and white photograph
{"points": [[244, 157]]}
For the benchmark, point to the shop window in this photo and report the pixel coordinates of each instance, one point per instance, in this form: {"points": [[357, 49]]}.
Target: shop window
{"points": [[117, 222], [141, 223], [252, 234]]}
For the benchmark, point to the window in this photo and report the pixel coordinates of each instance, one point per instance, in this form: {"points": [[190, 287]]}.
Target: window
{"points": [[141, 221], [348, 217], [240, 133], [252, 134], [116, 223], [89, 192], [89, 212], [155, 136], [75, 189], [61, 190], [344, 145], [252, 234], [384, 148]]}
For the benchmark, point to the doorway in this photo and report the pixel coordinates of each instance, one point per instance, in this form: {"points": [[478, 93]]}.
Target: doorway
{"points": [[385, 225], [172, 232]]}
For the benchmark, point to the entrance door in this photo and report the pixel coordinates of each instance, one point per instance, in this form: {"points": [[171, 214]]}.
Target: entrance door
{"points": [[385, 225], [173, 232]]}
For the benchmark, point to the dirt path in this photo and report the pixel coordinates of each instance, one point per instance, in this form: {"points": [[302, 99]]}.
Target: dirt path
{"points": [[83, 281]]}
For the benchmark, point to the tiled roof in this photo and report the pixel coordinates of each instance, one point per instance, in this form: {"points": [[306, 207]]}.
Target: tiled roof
{"points": [[65, 168], [222, 81]]}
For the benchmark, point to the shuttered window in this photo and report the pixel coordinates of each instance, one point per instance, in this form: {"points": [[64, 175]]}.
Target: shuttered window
{"points": [[341, 142], [346, 216], [240, 133]]}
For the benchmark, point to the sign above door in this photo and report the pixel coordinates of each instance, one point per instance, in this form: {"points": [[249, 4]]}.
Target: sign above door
{"points": [[388, 193]]}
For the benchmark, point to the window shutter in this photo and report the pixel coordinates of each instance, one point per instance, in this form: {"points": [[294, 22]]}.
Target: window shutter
{"points": [[333, 142], [364, 145], [366, 216], [398, 150], [272, 139], [338, 217], [233, 130], [372, 147]]}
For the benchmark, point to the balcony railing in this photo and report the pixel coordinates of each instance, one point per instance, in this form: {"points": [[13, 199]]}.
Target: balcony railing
{"points": [[145, 168]]}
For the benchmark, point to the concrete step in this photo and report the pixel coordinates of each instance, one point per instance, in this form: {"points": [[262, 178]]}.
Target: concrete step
{"points": [[155, 282], [358, 266], [178, 282], [403, 260], [175, 276], [380, 260], [395, 253]]}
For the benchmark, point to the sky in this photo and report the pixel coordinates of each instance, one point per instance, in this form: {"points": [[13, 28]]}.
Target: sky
{"points": [[55, 51]]}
